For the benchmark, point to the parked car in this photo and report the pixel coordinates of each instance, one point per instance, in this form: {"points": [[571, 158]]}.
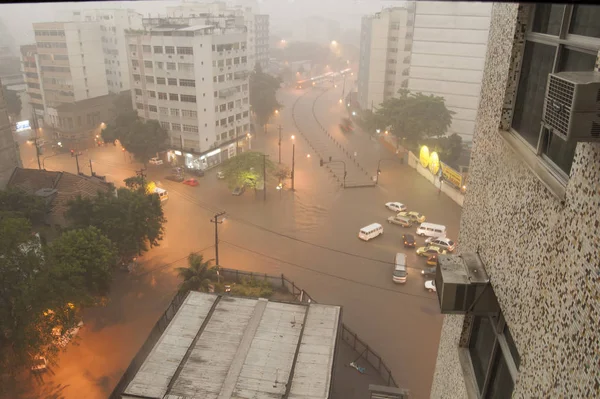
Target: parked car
{"points": [[195, 172], [177, 178], [239, 190], [395, 206], [220, 175], [408, 240], [445, 243], [430, 250], [430, 285], [415, 216], [429, 271], [39, 364], [400, 221], [177, 170], [432, 260], [155, 161], [191, 182]]}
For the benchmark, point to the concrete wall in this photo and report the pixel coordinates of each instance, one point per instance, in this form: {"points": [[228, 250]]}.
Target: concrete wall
{"points": [[447, 189], [542, 255], [449, 47]]}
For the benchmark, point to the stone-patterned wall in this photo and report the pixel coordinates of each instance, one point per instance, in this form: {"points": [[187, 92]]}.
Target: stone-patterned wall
{"points": [[543, 257]]}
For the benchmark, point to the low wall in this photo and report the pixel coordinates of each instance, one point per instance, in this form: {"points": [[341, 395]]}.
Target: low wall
{"points": [[453, 193]]}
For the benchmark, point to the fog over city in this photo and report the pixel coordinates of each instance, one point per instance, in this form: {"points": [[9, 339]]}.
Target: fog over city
{"points": [[320, 199]]}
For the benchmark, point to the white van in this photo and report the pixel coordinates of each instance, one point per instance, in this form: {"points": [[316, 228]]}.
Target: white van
{"points": [[400, 271], [431, 230], [370, 231], [162, 194]]}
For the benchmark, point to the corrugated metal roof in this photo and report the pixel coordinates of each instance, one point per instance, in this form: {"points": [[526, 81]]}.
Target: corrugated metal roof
{"points": [[243, 348]]}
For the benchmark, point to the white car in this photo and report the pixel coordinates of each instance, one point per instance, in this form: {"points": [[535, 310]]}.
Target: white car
{"points": [[443, 242], [395, 206], [430, 285], [39, 364], [155, 161]]}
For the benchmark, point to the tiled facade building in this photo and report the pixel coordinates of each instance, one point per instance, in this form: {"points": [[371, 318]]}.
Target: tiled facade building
{"points": [[532, 212]]}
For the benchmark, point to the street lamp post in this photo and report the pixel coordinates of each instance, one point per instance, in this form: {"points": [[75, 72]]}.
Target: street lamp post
{"points": [[280, 128], [265, 176], [379, 169], [293, 162]]}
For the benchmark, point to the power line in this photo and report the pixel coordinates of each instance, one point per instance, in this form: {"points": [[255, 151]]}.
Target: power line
{"points": [[173, 262], [325, 273]]}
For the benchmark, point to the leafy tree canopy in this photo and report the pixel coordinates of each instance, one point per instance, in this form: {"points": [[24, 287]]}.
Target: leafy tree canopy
{"points": [[412, 116], [263, 100], [246, 169], [16, 203], [144, 139], [13, 101], [120, 127], [132, 220]]}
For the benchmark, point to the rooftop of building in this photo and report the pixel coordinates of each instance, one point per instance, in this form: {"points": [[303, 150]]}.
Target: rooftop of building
{"points": [[231, 347], [104, 100]]}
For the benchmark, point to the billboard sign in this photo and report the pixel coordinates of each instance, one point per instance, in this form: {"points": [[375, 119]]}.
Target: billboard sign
{"points": [[23, 125]]}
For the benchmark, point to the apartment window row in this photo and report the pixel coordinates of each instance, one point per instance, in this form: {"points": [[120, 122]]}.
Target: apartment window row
{"points": [[56, 69], [173, 81], [49, 32], [560, 38], [171, 50], [32, 75], [227, 62], [52, 45], [54, 81], [172, 66], [176, 97], [33, 85]]}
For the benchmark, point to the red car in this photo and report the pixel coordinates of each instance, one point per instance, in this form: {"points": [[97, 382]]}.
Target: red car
{"points": [[191, 182]]}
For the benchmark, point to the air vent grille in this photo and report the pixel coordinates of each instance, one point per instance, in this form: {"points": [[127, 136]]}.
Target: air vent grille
{"points": [[558, 104], [595, 132]]}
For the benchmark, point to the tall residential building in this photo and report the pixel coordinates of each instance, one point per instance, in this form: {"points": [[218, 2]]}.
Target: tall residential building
{"points": [[430, 47], [532, 214], [70, 62], [32, 76], [193, 79], [113, 24], [316, 29], [447, 56], [9, 153], [257, 25], [384, 55]]}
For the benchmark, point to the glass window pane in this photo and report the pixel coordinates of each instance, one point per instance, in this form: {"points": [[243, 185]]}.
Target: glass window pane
{"points": [[513, 348], [538, 60], [548, 18], [481, 347], [558, 150], [501, 383], [584, 20]]}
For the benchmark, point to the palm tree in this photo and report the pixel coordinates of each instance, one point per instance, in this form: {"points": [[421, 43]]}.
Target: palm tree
{"points": [[198, 275]]}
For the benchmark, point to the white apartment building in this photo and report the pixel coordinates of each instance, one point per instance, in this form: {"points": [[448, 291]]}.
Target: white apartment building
{"points": [[193, 80], [448, 52], [384, 55], [113, 24], [70, 61], [257, 25]]}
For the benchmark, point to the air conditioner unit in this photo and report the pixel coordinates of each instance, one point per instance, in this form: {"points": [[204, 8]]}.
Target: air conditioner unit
{"points": [[572, 105], [463, 285]]}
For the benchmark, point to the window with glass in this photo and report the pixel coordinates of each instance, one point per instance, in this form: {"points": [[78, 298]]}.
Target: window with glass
{"points": [[148, 64], [494, 357], [164, 111], [172, 81], [158, 49], [162, 96], [561, 38], [173, 96], [169, 50], [188, 99], [159, 65], [152, 93], [152, 108], [176, 127], [161, 81], [171, 66], [187, 82], [146, 48], [185, 50], [149, 79], [174, 112]]}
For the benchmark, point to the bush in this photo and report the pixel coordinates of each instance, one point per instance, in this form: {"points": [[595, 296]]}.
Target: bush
{"points": [[252, 288]]}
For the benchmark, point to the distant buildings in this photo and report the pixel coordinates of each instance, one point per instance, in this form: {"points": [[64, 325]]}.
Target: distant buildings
{"points": [[430, 47], [9, 151], [316, 29], [193, 79], [113, 24]]}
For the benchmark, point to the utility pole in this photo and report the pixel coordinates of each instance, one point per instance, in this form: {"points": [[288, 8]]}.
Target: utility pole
{"points": [[35, 140], [293, 163], [77, 161], [217, 222], [265, 176], [91, 170], [141, 173], [280, 144]]}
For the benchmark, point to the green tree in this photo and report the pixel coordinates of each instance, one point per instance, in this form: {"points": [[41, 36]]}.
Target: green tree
{"points": [[120, 127], [263, 100], [13, 102], [16, 203], [144, 139], [132, 220], [449, 148], [25, 298], [370, 122], [197, 275], [413, 116], [82, 263], [246, 169]]}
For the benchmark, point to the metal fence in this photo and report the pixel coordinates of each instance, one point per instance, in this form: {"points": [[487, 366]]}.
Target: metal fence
{"points": [[144, 351], [368, 354]]}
